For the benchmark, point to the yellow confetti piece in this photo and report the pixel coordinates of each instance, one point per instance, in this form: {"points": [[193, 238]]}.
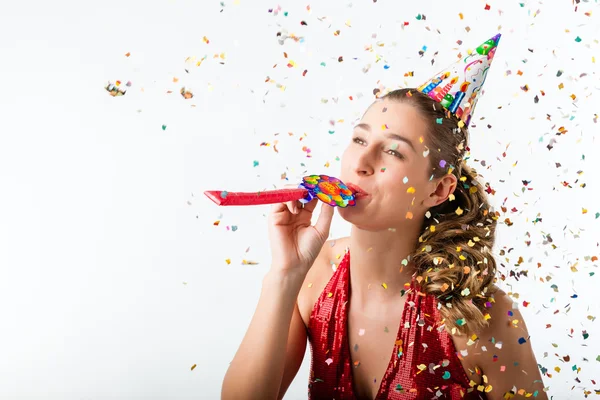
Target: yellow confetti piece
{"points": [[473, 189], [584, 210], [432, 228], [460, 15], [310, 285], [451, 197], [384, 285], [228, 261], [459, 211], [461, 124], [410, 190], [193, 366], [561, 86], [329, 294]]}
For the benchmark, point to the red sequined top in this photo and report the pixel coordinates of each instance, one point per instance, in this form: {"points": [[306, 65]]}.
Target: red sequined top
{"points": [[442, 375]]}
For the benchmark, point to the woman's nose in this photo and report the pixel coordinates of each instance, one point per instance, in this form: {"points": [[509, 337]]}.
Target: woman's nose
{"points": [[364, 165]]}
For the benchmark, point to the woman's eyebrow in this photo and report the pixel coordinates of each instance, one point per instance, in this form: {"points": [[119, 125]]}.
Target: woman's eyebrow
{"points": [[389, 135]]}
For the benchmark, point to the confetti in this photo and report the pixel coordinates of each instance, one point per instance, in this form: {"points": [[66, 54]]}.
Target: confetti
{"points": [[115, 89]]}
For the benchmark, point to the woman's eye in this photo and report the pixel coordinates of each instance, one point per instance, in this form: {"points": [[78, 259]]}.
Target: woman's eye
{"points": [[358, 140], [396, 154]]}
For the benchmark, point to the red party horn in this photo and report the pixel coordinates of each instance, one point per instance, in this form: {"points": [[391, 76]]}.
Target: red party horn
{"points": [[325, 188]]}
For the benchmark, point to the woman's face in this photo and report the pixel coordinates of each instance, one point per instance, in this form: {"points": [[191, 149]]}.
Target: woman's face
{"points": [[385, 157]]}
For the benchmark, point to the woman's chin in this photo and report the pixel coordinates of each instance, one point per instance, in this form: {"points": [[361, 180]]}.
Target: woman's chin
{"points": [[354, 213]]}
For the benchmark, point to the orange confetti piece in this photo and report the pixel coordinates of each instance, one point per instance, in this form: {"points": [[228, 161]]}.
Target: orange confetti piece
{"points": [[193, 366]]}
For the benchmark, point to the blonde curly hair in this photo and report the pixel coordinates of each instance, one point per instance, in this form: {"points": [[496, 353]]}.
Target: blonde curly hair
{"points": [[454, 259]]}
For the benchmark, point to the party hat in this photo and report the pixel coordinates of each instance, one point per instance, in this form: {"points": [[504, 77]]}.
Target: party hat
{"points": [[457, 87]]}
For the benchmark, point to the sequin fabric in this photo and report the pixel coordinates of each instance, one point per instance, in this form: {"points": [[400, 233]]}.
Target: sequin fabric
{"points": [[414, 372]]}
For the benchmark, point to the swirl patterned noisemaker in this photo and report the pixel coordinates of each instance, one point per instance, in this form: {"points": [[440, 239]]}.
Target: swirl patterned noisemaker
{"points": [[325, 188]]}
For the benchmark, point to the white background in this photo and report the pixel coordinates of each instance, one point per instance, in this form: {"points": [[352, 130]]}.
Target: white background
{"points": [[114, 280]]}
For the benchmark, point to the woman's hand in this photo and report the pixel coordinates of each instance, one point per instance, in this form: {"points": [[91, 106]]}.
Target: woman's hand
{"points": [[295, 243]]}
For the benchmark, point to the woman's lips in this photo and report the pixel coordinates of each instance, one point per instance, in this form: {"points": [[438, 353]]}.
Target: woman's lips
{"points": [[358, 191]]}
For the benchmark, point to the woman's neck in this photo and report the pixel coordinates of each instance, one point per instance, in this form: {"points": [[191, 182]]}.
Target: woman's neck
{"points": [[377, 270]]}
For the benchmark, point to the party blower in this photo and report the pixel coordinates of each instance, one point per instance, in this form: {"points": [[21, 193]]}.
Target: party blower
{"points": [[325, 188]]}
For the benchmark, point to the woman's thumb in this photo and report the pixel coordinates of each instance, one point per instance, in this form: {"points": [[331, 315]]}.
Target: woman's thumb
{"points": [[324, 221]]}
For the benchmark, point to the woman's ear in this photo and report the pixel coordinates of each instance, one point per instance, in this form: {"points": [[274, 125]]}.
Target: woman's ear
{"points": [[443, 188]]}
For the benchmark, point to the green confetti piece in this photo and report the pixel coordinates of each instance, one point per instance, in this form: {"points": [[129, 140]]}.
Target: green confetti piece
{"points": [[164, 127], [255, 163], [224, 194], [331, 132], [578, 39], [446, 375], [439, 120], [460, 322]]}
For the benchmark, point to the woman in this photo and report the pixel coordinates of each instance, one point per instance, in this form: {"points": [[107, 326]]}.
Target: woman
{"points": [[417, 315]]}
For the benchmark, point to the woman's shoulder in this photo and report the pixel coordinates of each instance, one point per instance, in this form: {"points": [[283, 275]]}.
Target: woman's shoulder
{"points": [[319, 274]]}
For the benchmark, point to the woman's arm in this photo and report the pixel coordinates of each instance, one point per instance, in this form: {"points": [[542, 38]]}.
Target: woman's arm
{"points": [[257, 369], [509, 363]]}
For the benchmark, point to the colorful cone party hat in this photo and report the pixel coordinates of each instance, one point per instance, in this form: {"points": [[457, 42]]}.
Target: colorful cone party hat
{"points": [[457, 87]]}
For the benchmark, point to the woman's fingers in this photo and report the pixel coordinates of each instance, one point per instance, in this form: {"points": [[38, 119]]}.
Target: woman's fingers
{"points": [[291, 205]]}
